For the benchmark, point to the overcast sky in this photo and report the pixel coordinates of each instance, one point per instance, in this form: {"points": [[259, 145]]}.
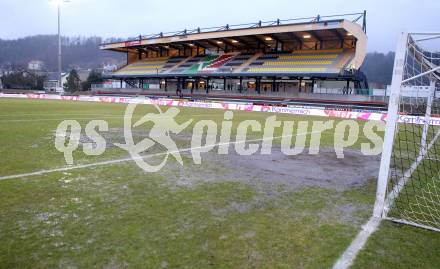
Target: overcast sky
{"points": [[124, 18]]}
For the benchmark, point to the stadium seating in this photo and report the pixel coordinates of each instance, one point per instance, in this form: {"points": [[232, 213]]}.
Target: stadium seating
{"points": [[218, 62], [301, 61], [144, 66], [235, 63]]}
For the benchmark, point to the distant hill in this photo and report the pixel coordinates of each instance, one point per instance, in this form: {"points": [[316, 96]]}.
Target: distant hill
{"points": [[378, 67], [77, 51], [84, 52]]}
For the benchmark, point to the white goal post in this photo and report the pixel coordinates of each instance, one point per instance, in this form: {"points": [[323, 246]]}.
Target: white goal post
{"points": [[408, 189]]}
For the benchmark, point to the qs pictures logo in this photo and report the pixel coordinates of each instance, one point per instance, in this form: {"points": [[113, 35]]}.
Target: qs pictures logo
{"points": [[207, 135]]}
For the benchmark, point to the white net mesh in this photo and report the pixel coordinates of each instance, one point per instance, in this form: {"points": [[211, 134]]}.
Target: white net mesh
{"points": [[413, 194]]}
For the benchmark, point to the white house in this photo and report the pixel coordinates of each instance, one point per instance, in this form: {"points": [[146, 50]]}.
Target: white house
{"points": [[36, 65]]}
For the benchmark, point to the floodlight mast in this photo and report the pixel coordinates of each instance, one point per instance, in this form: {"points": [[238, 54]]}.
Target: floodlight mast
{"points": [[59, 45], [58, 4]]}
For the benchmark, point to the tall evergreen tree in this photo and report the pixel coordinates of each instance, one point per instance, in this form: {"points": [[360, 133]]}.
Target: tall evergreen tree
{"points": [[73, 82], [93, 78]]}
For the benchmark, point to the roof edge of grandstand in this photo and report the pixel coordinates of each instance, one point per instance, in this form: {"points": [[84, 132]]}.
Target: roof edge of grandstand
{"points": [[137, 41]]}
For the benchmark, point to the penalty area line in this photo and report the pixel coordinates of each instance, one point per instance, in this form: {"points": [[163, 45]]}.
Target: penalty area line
{"points": [[128, 159]]}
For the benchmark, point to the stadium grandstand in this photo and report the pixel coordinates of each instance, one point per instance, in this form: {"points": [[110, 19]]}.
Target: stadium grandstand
{"points": [[274, 60]]}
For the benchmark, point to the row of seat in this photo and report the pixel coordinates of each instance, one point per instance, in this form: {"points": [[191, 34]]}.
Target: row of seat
{"points": [[298, 63], [321, 51], [312, 56], [287, 70]]}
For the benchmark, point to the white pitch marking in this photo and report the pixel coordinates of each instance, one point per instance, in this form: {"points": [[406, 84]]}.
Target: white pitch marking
{"points": [[66, 118], [92, 116], [347, 258], [52, 114], [80, 166]]}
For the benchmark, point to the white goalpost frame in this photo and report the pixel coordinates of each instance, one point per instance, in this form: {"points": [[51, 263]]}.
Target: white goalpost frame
{"points": [[390, 129], [347, 258], [384, 202]]}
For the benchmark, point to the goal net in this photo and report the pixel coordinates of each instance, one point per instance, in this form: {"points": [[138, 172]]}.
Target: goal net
{"points": [[409, 179]]}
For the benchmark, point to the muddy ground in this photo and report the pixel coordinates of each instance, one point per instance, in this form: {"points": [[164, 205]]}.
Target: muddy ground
{"points": [[323, 170]]}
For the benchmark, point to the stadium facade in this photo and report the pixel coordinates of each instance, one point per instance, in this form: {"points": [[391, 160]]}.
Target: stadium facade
{"points": [[259, 59]]}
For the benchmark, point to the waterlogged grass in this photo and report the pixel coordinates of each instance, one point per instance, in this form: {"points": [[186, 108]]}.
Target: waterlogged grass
{"points": [[117, 216]]}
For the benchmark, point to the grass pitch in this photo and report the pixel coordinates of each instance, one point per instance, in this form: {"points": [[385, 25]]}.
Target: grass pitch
{"points": [[224, 213]]}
